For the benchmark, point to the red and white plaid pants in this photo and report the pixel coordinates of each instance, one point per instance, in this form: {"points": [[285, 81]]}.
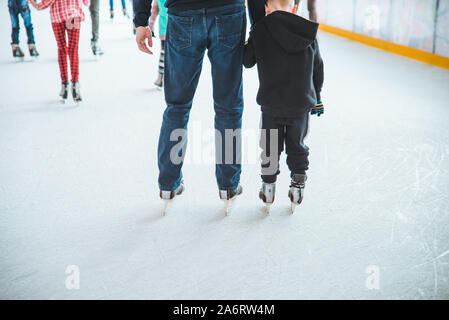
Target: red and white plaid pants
{"points": [[70, 48]]}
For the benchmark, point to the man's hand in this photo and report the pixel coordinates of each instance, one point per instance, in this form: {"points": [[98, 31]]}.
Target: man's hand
{"points": [[142, 35]]}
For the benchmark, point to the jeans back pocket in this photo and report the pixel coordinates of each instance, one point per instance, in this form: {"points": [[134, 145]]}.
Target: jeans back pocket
{"points": [[179, 31], [229, 28]]}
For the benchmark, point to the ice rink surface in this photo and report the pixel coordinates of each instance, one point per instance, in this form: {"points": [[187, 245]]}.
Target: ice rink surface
{"points": [[78, 185]]}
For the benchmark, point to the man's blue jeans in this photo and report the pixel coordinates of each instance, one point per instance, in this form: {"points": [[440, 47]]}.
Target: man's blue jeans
{"points": [[220, 30]]}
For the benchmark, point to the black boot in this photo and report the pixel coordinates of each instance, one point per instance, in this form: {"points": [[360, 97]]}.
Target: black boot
{"points": [[17, 52], [33, 51], [96, 49]]}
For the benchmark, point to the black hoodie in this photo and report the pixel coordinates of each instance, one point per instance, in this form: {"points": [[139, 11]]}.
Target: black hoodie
{"points": [[289, 63]]}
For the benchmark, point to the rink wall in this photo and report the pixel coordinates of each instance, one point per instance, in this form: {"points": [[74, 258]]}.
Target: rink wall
{"points": [[417, 29]]}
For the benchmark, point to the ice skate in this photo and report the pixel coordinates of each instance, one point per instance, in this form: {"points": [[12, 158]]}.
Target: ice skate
{"points": [[76, 93], [296, 192], [266, 194], [229, 196], [33, 52], [159, 83], [96, 49], [169, 196], [17, 53], [111, 14], [125, 13], [64, 91]]}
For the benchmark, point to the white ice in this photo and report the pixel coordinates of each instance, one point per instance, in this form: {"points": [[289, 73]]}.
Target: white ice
{"points": [[78, 185]]}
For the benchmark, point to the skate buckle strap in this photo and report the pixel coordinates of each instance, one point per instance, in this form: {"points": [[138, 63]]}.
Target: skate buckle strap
{"points": [[224, 194], [166, 195]]}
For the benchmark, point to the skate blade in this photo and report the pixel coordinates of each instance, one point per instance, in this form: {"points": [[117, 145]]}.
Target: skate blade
{"points": [[17, 59], [267, 208], [293, 207], [62, 100], [167, 204], [228, 204]]}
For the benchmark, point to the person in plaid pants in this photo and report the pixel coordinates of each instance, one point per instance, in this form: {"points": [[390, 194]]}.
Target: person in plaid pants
{"points": [[66, 17]]}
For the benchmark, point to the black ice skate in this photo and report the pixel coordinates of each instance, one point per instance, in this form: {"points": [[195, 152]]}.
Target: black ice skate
{"points": [[33, 51], [64, 91], [159, 83], [125, 13], [168, 196], [229, 196], [267, 193], [96, 49], [76, 93], [296, 192], [17, 53]]}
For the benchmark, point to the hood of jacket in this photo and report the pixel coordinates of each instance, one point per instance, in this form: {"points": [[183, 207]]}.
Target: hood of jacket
{"points": [[291, 32]]}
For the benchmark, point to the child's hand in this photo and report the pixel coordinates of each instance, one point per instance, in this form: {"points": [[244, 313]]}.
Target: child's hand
{"points": [[33, 3], [318, 109]]}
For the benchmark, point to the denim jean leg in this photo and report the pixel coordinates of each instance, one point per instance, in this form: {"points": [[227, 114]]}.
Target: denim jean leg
{"points": [[227, 27], [184, 52], [14, 26], [26, 15]]}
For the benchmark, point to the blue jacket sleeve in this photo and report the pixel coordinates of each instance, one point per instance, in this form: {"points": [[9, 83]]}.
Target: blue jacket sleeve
{"points": [[142, 12]]}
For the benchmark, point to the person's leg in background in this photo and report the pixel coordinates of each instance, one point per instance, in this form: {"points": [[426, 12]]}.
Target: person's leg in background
{"points": [[26, 16], [184, 52], [160, 79], [311, 7], [160, 10], [95, 17], [125, 12], [227, 27], [111, 8], [15, 28]]}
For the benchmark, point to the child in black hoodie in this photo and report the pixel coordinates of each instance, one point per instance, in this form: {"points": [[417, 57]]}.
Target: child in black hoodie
{"points": [[290, 68]]}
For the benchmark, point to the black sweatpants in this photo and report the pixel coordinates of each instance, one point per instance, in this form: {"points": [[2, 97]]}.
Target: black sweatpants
{"points": [[277, 132]]}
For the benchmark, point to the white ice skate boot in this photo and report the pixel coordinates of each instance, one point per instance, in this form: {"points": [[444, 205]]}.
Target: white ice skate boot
{"points": [[96, 49], [267, 193], [168, 196], [159, 83], [296, 192], [76, 93], [229, 196]]}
